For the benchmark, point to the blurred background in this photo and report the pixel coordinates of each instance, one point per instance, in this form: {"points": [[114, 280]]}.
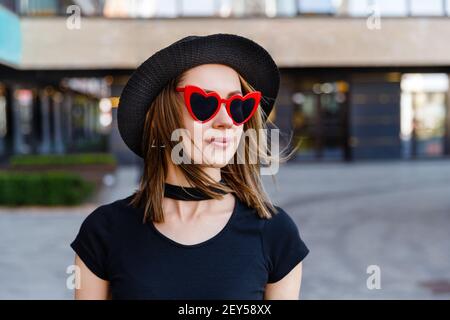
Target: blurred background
{"points": [[364, 90]]}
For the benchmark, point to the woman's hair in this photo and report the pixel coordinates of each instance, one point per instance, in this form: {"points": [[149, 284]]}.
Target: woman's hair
{"points": [[241, 176]]}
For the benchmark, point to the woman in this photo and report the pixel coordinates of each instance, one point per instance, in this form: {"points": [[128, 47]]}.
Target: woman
{"points": [[200, 225]]}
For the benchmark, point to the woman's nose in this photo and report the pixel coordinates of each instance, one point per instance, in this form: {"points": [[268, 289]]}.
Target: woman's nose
{"points": [[222, 119]]}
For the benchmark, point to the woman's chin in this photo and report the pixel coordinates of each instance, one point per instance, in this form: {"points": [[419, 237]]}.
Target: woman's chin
{"points": [[218, 160]]}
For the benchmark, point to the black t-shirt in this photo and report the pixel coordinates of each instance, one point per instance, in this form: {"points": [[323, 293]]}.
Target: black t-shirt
{"points": [[142, 263]]}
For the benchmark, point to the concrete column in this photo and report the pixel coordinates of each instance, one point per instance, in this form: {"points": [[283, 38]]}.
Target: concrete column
{"points": [[19, 146], [447, 123], [86, 120], [67, 114], [46, 144], [3, 124], [92, 119], [57, 132]]}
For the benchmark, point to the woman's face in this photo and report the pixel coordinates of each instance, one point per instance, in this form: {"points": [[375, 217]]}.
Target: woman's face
{"points": [[214, 142]]}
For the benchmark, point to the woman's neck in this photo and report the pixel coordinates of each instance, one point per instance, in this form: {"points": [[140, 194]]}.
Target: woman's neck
{"points": [[176, 177], [188, 209]]}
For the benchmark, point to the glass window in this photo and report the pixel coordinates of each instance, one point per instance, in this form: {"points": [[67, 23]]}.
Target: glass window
{"points": [[286, 8], [396, 8], [383, 7], [358, 8], [166, 8], [128, 9], [142, 8], [198, 8], [423, 112], [3, 117], [317, 6], [39, 7], [225, 7], [10, 4], [427, 8]]}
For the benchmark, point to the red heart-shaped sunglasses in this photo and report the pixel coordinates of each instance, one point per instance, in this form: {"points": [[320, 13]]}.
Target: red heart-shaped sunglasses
{"points": [[204, 106]]}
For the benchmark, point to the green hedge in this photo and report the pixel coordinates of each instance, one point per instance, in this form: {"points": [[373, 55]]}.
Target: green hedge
{"points": [[43, 188], [63, 159]]}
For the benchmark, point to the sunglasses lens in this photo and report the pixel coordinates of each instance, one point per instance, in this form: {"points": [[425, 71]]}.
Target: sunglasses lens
{"points": [[241, 110], [202, 107]]}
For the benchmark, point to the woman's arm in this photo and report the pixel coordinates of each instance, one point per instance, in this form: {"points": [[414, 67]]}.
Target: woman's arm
{"points": [[91, 286], [287, 288]]}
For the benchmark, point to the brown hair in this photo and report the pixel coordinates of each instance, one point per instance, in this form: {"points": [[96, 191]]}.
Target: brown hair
{"points": [[241, 177]]}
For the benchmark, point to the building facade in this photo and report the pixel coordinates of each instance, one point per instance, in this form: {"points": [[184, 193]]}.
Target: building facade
{"points": [[359, 79]]}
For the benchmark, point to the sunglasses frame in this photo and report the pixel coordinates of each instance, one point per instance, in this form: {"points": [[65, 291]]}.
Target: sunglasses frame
{"points": [[190, 89]]}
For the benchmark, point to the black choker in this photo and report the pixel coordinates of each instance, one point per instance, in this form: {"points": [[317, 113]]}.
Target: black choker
{"points": [[186, 193]]}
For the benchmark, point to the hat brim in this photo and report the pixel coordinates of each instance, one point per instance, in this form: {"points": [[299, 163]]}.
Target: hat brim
{"points": [[247, 57]]}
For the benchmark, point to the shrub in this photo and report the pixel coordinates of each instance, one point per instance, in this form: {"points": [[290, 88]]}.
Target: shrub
{"points": [[43, 188], [63, 159]]}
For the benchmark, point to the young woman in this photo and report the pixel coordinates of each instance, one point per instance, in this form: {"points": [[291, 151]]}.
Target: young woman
{"points": [[200, 225]]}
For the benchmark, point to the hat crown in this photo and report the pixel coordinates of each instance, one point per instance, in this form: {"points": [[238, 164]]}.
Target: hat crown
{"points": [[188, 38]]}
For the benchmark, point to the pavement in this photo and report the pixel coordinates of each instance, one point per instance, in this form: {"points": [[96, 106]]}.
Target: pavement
{"points": [[393, 216]]}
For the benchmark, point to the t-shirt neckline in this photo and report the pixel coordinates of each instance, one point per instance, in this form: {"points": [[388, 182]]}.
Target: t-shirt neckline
{"points": [[205, 242]]}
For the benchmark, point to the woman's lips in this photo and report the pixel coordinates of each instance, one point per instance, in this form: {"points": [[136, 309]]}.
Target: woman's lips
{"points": [[221, 142]]}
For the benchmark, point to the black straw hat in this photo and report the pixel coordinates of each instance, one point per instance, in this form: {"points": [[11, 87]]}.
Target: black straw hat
{"points": [[245, 56]]}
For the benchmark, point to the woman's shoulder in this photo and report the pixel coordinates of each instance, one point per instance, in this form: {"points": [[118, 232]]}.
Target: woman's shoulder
{"points": [[109, 213], [279, 227], [282, 243], [95, 236], [278, 221]]}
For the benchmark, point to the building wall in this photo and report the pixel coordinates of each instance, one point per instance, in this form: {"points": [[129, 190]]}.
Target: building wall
{"points": [[294, 42]]}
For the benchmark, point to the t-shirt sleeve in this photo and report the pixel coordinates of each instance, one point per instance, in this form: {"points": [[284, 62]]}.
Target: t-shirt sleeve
{"points": [[283, 246], [92, 242]]}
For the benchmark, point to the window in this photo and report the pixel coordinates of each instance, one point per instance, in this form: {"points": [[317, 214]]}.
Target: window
{"points": [[286, 8], [317, 6], [198, 8], [427, 8]]}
